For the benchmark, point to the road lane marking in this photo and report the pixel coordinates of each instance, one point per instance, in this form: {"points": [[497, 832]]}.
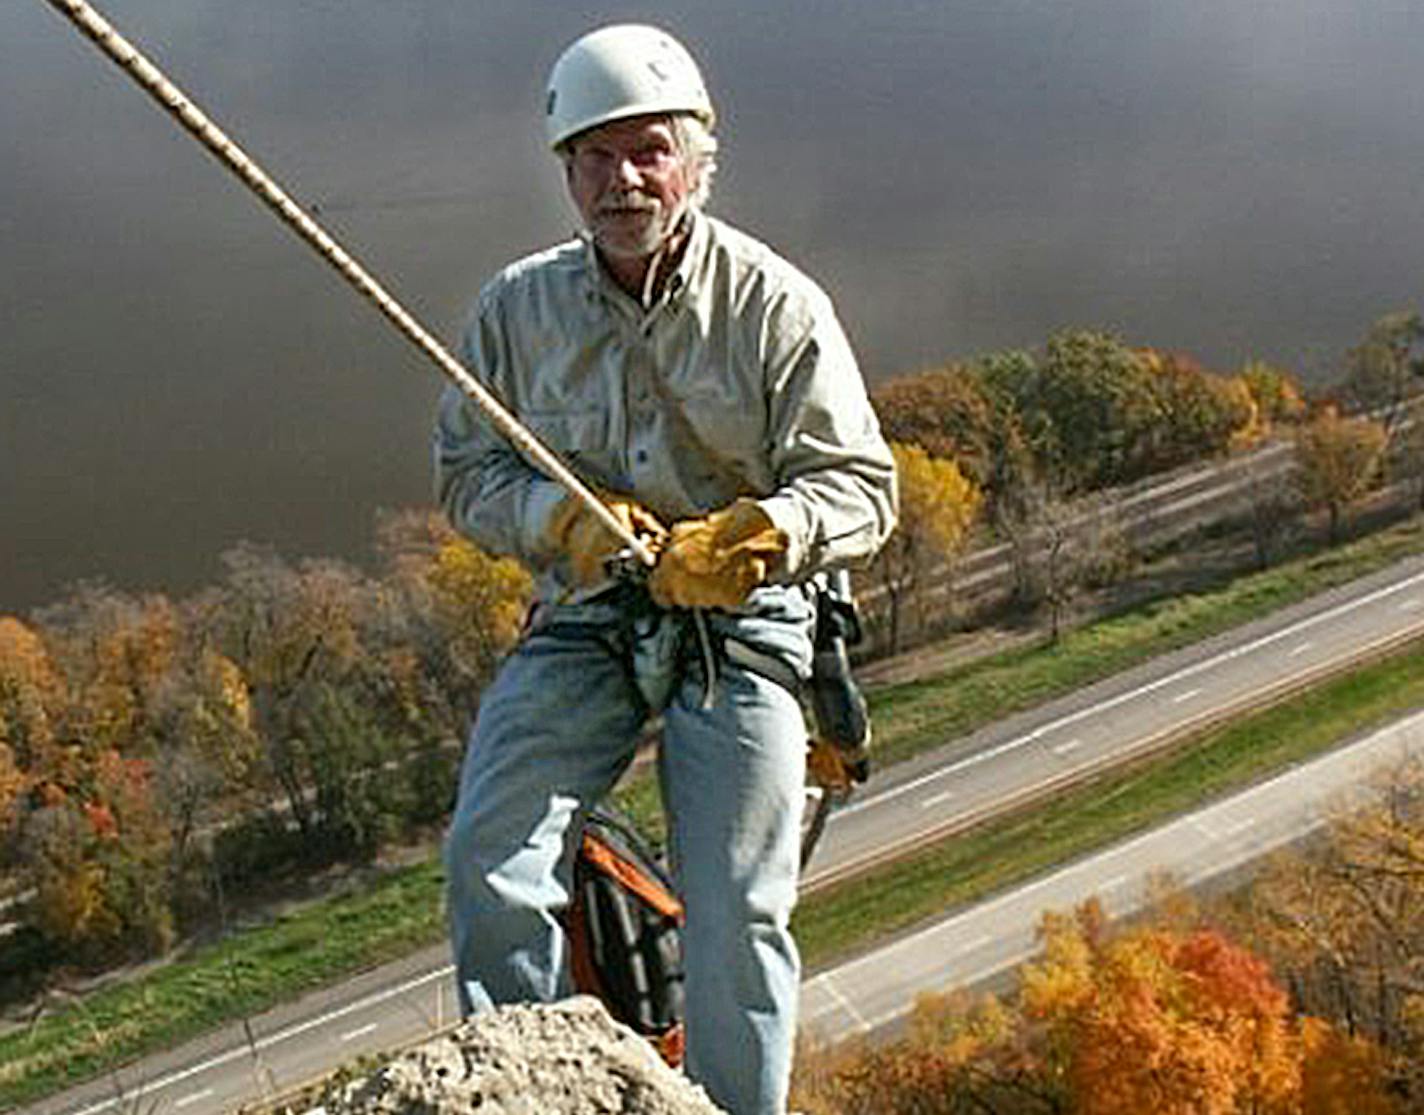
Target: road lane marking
{"points": [[1067, 746], [1236, 828], [938, 799], [1300, 648], [1382, 747], [193, 1098], [1187, 696], [1290, 631], [239, 1051], [842, 1001], [360, 1032], [976, 944]]}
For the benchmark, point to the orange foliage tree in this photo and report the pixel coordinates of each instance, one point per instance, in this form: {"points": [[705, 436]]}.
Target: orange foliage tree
{"points": [[1161, 1022], [947, 412], [1169, 1017]]}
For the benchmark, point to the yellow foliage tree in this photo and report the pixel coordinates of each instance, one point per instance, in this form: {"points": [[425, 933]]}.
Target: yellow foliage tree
{"points": [[31, 698], [465, 607], [1340, 460], [938, 505], [1277, 396]]}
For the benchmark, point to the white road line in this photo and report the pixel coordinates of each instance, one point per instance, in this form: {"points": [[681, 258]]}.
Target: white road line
{"points": [[1113, 883], [193, 1098], [1236, 828], [1181, 698], [1300, 648], [1288, 632], [938, 799], [1066, 746], [361, 1032], [976, 944], [1201, 819], [239, 1051], [844, 1003]]}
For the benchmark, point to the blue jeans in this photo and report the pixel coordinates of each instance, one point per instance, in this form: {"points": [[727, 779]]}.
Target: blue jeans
{"points": [[555, 730]]}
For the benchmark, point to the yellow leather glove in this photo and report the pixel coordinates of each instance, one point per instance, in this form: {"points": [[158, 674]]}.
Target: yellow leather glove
{"points": [[715, 562], [578, 533]]}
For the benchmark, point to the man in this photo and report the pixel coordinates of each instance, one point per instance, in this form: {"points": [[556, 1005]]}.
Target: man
{"points": [[704, 387]]}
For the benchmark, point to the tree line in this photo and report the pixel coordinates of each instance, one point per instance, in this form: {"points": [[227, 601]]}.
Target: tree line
{"points": [[158, 757], [1026, 448], [155, 754]]}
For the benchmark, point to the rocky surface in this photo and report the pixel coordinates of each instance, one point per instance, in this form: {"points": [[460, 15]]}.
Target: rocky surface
{"points": [[568, 1058]]}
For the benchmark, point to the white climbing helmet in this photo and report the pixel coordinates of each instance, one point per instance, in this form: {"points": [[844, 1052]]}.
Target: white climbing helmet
{"points": [[627, 69]]}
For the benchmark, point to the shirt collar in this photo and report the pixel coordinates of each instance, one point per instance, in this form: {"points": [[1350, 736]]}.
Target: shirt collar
{"points": [[675, 290]]}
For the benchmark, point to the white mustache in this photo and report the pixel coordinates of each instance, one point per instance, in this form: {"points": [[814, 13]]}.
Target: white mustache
{"points": [[627, 201]]}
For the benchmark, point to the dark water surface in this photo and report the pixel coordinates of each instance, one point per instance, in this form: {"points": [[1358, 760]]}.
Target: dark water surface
{"points": [[177, 373]]}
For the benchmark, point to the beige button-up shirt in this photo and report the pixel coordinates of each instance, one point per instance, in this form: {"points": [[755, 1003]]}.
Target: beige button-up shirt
{"points": [[739, 381]]}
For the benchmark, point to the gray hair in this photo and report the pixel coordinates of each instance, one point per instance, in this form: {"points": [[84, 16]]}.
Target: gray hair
{"points": [[699, 148]]}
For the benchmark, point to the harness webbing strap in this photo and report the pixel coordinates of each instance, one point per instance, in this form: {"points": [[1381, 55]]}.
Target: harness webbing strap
{"points": [[174, 101]]}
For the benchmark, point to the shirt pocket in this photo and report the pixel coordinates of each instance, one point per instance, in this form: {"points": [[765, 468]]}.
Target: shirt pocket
{"points": [[579, 437]]}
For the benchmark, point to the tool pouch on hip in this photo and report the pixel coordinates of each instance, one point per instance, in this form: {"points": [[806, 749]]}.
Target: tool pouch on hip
{"points": [[842, 717]]}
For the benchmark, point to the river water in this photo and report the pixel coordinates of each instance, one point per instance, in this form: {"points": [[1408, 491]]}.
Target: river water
{"points": [[1230, 178]]}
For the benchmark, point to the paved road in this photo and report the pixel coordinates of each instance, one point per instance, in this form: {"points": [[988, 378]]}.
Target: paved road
{"points": [[877, 989], [1013, 760], [1031, 754]]}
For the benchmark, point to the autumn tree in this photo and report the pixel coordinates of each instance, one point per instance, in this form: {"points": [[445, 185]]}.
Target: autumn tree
{"points": [[1339, 461], [464, 608], [1074, 547], [1154, 1021], [1273, 501], [1343, 921], [948, 413], [1090, 409], [1169, 1016], [115, 652], [91, 837], [1386, 369], [937, 508], [956, 1056], [32, 696], [1277, 395], [317, 693], [1202, 414]]}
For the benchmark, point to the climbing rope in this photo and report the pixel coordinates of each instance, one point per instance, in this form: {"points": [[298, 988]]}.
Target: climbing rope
{"points": [[177, 104]]}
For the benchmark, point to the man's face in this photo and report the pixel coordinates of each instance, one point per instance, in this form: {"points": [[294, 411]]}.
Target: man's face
{"points": [[630, 182]]}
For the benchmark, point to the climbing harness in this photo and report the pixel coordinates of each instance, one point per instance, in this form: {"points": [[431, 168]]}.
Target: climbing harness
{"points": [[176, 103]]}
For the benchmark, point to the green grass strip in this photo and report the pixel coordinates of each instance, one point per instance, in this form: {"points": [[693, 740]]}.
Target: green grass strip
{"points": [[916, 716], [250, 971], [966, 868]]}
